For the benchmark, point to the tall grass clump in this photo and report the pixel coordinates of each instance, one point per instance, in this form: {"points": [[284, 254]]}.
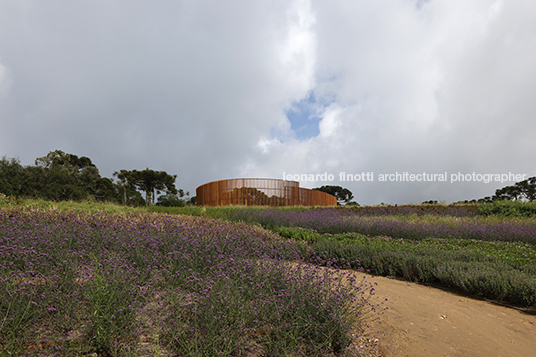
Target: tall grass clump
{"points": [[111, 284]]}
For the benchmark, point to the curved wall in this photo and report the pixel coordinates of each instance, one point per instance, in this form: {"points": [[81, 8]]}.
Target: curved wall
{"points": [[260, 192]]}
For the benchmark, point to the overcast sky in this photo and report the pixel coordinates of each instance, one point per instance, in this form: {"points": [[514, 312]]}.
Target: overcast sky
{"points": [[210, 90]]}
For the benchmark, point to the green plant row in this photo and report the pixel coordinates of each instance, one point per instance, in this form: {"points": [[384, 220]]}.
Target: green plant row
{"points": [[499, 271], [518, 254], [505, 208]]}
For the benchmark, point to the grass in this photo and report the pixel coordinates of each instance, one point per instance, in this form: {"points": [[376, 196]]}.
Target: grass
{"points": [[75, 281], [101, 278], [94, 206]]}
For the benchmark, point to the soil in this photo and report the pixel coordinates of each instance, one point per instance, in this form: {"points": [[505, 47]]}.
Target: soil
{"points": [[426, 321]]}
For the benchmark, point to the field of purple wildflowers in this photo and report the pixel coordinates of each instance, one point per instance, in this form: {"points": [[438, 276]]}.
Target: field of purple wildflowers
{"points": [[101, 284], [490, 256]]}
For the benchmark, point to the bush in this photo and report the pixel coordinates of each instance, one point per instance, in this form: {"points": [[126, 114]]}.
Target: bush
{"points": [[466, 272], [506, 208]]}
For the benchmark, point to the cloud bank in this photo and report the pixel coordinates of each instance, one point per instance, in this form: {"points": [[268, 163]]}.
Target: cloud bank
{"points": [[211, 90]]}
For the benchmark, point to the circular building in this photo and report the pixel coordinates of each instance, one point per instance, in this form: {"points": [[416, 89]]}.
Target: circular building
{"points": [[260, 192]]}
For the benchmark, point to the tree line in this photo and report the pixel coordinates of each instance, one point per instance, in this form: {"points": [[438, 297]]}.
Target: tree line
{"points": [[61, 176], [523, 191]]}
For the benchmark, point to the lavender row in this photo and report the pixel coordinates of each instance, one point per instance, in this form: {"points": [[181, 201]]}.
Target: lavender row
{"points": [[419, 210], [414, 227]]}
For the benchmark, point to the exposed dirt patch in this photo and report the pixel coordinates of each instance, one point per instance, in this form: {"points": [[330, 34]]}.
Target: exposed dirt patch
{"points": [[425, 321]]}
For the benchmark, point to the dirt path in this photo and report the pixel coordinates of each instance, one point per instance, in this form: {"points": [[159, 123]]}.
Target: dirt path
{"points": [[424, 321]]}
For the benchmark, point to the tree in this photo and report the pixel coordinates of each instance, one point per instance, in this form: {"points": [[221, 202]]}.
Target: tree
{"points": [[170, 200], [343, 195], [527, 189], [174, 200], [352, 203], [149, 181], [523, 190], [59, 158], [125, 182], [23, 181], [67, 176], [107, 191], [11, 173], [510, 193]]}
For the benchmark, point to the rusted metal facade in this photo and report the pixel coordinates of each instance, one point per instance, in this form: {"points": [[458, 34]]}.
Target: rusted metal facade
{"points": [[260, 192]]}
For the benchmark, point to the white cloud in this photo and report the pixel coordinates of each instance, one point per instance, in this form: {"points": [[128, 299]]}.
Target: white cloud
{"points": [[4, 80], [443, 87], [330, 123], [298, 47], [201, 89]]}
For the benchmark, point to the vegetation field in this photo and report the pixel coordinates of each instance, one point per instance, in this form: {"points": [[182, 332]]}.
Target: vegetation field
{"points": [[75, 281], [487, 251], [88, 279]]}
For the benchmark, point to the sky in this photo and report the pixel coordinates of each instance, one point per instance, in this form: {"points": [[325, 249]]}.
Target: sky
{"points": [[309, 89]]}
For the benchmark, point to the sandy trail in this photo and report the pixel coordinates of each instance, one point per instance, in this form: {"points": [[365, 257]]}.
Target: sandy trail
{"points": [[425, 321]]}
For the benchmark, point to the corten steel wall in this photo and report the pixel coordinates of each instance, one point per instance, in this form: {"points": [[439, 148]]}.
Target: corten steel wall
{"points": [[260, 192]]}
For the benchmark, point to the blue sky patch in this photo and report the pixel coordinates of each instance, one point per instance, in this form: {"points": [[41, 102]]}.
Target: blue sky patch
{"points": [[303, 117]]}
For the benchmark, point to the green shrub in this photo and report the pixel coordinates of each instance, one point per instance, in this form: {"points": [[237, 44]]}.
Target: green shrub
{"points": [[470, 273], [506, 208]]}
